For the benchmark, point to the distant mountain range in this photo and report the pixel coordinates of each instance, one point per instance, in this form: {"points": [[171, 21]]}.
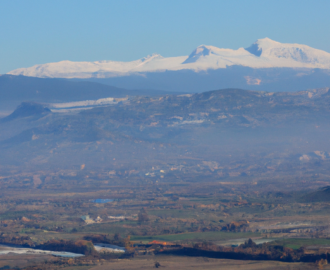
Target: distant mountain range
{"points": [[264, 53], [265, 65]]}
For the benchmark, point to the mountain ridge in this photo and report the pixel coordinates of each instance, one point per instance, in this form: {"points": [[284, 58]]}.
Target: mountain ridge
{"points": [[264, 53]]}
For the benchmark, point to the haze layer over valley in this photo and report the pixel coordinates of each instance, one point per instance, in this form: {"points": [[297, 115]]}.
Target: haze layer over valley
{"points": [[259, 131]]}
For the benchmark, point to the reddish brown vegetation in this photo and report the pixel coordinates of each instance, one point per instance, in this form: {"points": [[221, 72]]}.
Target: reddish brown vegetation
{"points": [[16, 240]]}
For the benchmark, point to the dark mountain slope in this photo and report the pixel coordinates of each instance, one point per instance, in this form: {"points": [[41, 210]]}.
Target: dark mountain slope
{"points": [[321, 195], [261, 79], [27, 109], [16, 89]]}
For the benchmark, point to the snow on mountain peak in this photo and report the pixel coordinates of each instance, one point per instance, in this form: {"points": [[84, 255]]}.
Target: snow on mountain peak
{"points": [[261, 45], [271, 49], [267, 42], [151, 57], [202, 50], [264, 53]]}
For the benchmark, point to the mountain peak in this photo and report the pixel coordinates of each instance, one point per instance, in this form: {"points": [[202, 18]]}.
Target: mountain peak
{"points": [[285, 52], [202, 50], [151, 57], [265, 43], [266, 39], [260, 45]]}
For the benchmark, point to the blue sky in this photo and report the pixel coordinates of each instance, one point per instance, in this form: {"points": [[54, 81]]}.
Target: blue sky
{"points": [[42, 31]]}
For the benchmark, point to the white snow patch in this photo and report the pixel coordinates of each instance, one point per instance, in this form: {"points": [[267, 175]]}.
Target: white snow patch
{"points": [[85, 104]]}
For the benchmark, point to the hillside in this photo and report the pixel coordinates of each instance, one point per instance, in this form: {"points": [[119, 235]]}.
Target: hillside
{"points": [[321, 195], [259, 131], [16, 89]]}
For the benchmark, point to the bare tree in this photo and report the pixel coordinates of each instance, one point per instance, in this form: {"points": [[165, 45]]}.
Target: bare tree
{"points": [[143, 216]]}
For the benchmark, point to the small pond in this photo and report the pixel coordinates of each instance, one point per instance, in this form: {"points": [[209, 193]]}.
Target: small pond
{"points": [[101, 200]]}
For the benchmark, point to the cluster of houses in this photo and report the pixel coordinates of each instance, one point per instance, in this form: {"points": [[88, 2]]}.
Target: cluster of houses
{"points": [[89, 220]]}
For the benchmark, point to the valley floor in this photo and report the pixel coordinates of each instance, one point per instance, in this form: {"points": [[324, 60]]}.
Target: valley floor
{"points": [[183, 263]]}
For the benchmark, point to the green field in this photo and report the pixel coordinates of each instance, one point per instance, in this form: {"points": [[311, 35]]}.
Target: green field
{"points": [[296, 243], [174, 213], [196, 236]]}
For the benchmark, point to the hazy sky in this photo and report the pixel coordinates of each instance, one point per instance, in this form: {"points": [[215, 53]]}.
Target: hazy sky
{"points": [[42, 31]]}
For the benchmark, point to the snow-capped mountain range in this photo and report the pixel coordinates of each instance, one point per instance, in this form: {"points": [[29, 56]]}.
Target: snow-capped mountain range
{"points": [[264, 53]]}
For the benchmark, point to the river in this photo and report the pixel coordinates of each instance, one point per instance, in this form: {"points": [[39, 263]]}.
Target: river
{"points": [[4, 250]]}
